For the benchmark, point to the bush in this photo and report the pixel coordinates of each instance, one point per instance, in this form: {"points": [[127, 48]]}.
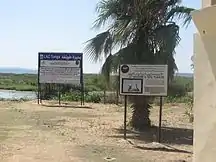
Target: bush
{"points": [[177, 90], [189, 109], [93, 97], [180, 86], [183, 99], [76, 96]]}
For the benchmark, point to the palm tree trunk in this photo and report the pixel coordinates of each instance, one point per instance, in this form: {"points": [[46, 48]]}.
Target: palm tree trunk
{"points": [[140, 117]]}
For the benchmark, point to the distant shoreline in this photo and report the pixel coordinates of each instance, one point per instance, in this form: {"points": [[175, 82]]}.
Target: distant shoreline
{"points": [[28, 82], [188, 75], [26, 71]]}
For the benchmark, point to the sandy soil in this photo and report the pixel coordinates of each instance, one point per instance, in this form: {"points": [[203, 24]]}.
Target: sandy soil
{"points": [[92, 133]]}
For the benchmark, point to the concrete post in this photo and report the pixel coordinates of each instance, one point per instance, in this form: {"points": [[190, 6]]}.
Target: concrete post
{"points": [[206, 3], [205, 83]]}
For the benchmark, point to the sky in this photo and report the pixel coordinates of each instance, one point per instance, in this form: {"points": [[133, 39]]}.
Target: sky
{"points": [[29, 27]]}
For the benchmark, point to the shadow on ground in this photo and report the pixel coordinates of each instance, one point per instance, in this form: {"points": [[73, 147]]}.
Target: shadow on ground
{"points": [[67, 106], [169, 135], [165, 148]]}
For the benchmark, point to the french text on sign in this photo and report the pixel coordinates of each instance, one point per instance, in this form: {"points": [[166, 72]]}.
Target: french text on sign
{"points": [[60, 56], [60, 63], [60, 68], [149, 80]]}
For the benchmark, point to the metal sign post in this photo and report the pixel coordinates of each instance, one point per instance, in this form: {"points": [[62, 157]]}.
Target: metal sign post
{"points": [[82, 94], [143, 80], [38, 82], [40, 93], [125, 117], [160, 120], [59, 94], [82, 83]]}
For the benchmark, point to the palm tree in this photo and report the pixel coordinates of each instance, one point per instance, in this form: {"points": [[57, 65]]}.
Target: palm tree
{"points": [[137, 32]]}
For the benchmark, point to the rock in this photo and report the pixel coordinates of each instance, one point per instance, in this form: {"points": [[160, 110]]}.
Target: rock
{"points": [[109, 159]]}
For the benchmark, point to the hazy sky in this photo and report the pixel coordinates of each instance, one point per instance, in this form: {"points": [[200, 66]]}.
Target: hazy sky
{"points": [[61, 25]]}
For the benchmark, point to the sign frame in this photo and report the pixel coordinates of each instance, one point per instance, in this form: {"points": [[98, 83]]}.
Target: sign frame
{"points": [[61, 57], [57, 61], [130, 79], [124, 69]]}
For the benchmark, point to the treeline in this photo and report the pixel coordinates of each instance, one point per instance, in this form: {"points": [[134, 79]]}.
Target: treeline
{"points": [[95, 87], [19, 82]]}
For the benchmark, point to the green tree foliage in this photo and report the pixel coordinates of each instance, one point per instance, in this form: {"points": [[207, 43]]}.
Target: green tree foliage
{"points": [[24, 82], [137, 32]]}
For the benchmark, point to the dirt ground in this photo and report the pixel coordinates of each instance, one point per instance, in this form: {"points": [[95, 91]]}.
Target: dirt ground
{"points": [[92, 133]]}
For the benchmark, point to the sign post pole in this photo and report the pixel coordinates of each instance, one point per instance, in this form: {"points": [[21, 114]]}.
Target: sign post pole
{"points": [[40, 93], [82, 98], [59, 94], [125, 117], [38, 81], [82, 82], [143, 80], [160, 119]]}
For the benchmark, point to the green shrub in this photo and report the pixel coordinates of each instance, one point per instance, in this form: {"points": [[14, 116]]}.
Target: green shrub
{"points": [[180, 86], [93, 97], [177, 90], [176, 99], [189, 109], [75, 96]]}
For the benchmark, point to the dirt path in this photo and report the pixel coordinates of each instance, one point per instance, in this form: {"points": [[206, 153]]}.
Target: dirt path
{"points": [[27, 143], [49, 133], [44, 148]]}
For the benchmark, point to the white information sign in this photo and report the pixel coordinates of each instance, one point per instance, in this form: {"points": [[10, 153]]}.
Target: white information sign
{"points": [[61, 68], [148, 80]]}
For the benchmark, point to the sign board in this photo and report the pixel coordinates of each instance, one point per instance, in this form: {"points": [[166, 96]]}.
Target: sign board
{"points": [[148, 80], [61, 68]]}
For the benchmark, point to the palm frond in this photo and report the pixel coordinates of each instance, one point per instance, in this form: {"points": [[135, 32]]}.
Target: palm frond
{"points": [[173, 3], [106, 69], [180, 13], [112, 62], [99, 46], [167, 36], [167, 39], [124, 31], [145, 31], [108, 10]]}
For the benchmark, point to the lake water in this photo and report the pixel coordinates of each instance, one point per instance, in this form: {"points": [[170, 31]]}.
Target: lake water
{"points": [[11, 94]]}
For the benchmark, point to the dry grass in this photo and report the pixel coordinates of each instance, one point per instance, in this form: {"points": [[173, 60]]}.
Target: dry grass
{"points": [[42, 133]]}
